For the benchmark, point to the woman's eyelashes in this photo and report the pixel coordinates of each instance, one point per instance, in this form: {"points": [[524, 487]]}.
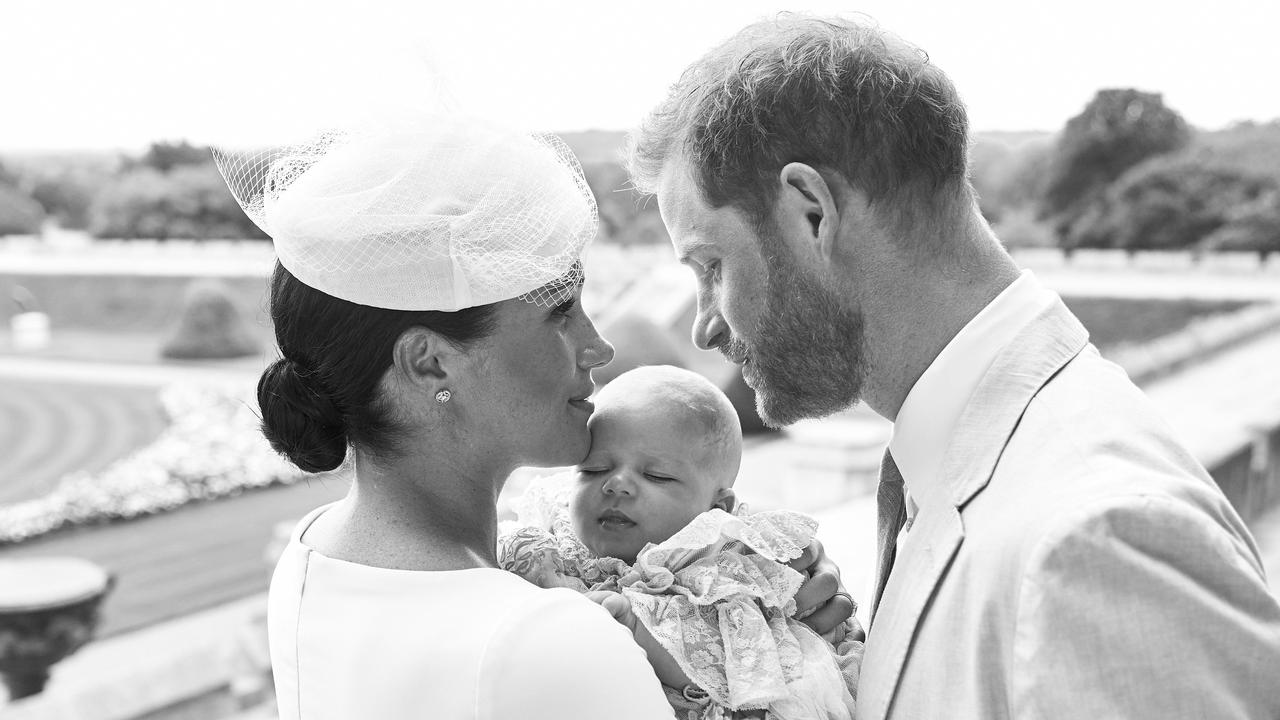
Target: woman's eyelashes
{"points": [[565, 307]]}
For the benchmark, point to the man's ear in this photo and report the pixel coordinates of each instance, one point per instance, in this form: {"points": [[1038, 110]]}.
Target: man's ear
{"points": [[807, 212], [726, 500], [424, 359], [814, 205]]}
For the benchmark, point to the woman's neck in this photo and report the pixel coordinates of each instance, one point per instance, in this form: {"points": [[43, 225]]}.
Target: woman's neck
{"points": [[416, 513]]}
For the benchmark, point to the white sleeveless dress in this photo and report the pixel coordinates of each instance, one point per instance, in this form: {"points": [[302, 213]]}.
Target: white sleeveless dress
{"points": [[351, 641]]}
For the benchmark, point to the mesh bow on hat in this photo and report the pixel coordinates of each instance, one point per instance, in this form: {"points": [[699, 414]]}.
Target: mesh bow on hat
{"points": [[437, 213]]}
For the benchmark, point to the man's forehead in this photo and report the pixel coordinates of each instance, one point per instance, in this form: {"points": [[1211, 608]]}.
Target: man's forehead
{"points": [[677, 187], [679, 205]]}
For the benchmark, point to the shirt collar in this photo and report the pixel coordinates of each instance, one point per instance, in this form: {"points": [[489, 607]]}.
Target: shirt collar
{"points": [[929, 414]]}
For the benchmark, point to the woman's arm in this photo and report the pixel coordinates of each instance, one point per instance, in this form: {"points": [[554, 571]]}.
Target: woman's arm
{"points": [[664, 666]]}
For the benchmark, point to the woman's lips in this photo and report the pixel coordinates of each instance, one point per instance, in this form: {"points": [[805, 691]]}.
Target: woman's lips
{"points": [[584, 405]]}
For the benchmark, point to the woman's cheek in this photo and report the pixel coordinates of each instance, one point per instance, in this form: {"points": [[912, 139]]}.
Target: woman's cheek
{"points": [[578, 507]]}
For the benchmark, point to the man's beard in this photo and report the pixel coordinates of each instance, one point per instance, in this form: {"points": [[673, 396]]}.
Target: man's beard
{"points": [[806, 354]]}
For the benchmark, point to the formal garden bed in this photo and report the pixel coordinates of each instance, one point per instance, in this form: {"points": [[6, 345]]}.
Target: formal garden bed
{"points": [[211, 449]]}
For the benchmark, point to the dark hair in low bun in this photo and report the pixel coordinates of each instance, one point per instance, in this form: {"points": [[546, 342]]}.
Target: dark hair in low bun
{"points": [[301, 422], [322, 395]]}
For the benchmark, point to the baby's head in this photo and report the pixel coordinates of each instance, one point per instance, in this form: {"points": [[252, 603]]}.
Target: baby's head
{"points": [[665, 447]]}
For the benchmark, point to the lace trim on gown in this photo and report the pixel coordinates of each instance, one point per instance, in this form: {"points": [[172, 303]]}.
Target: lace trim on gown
{"points": [[717, 595]]}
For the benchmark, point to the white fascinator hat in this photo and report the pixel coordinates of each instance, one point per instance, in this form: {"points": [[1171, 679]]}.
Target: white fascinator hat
{"points": [[422, 212]]}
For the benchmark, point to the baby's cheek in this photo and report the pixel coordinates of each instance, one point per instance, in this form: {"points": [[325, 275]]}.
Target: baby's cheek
{"points": [[675, 521]]}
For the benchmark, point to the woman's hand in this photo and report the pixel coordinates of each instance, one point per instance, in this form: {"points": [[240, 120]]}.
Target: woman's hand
{"points": [[664, 666], [821, 602]]}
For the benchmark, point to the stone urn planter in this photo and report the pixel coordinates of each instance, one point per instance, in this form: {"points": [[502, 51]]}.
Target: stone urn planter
{"points": [[48, 610]]}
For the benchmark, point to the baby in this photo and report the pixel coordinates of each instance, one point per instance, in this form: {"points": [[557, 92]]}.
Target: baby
{"points": [[650, 515], [665, 447]]}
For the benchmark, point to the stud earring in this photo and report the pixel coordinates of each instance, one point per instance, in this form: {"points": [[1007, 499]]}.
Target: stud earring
{"points": [[443, 396]]}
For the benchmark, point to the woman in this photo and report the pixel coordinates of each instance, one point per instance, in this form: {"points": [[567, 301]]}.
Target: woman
{"points": [[426, 308]]}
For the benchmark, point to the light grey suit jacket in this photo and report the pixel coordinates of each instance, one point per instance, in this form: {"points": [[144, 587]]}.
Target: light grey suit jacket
{"points": [[1087, 566]]}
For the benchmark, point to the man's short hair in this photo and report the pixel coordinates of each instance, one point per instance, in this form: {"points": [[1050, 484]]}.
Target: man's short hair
{"points": [[831, 93]]}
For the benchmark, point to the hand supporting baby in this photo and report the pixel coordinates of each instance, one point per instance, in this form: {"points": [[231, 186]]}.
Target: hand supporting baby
{"points": [[822, 602]]}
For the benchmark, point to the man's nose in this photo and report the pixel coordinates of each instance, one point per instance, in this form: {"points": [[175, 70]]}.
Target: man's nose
{"points": [[710, 330]]}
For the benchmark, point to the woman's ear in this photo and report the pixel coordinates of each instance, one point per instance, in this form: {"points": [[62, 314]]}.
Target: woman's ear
{"points": [[423, 359], [726, 500]]}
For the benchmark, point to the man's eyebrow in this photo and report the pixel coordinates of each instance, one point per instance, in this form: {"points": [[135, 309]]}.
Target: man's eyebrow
{"points": [[694, 246]]}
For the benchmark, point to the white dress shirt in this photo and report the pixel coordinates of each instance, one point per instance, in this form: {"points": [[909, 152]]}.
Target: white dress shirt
{"points": [[932, 408]]}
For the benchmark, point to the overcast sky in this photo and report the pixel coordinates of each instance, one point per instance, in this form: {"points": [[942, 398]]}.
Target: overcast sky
{"points": [[119, 74]]}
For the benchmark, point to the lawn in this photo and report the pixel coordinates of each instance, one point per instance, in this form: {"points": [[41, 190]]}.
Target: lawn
{"points": [[1117, 321]]}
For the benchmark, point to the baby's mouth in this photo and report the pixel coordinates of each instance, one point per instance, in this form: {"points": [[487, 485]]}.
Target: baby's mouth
{"points": [[612, 519]]}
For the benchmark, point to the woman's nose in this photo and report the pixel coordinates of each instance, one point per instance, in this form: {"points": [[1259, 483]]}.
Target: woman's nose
{"points": [[597, 352]]}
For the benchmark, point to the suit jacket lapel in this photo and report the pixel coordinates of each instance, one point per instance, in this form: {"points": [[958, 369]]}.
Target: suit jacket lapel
{"points": [[1043, 348], [1023, 367]]}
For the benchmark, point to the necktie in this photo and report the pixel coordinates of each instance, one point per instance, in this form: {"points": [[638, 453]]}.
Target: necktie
{"points": [[892, 511]]}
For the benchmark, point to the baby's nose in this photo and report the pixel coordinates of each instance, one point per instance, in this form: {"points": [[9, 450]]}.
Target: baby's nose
{"points": [[617, 485]]}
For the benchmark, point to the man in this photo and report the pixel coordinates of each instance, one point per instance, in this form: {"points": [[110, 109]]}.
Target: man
{"points": [[1056, 553]]}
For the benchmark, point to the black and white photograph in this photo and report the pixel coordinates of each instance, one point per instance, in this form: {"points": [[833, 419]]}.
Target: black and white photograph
{"points": [[660, 360]]}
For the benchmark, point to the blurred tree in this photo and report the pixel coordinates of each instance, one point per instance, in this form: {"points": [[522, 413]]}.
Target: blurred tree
{"points": [[1007, 177], [1253, 226], [1118, 129], [626, 218], [8, 177], [165, 156], [1168, 202], [19, 214], [988, 172], [1249, 146], [608, 182], [191, 201], [66, 197], [131, 207], [1018, 227]]}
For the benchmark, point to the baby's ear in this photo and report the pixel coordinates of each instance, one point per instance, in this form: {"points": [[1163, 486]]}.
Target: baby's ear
{"points": [[725, 500]]}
